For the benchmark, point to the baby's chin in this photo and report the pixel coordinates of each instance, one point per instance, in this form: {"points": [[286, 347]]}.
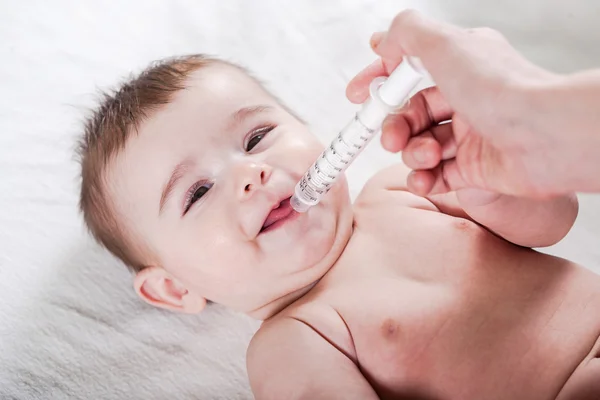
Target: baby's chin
{"points": [[313, 240]]}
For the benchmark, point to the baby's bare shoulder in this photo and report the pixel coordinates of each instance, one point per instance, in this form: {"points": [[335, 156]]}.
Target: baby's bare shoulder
{"points": [[287, 357], [389, 186], [282, 339], [309, 318]]}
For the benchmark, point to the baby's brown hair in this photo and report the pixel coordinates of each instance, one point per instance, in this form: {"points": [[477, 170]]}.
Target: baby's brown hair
{"points": [[106, 132]]}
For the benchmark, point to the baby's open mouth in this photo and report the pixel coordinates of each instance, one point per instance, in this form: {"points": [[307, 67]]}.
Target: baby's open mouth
{"points": [[278, 216]]}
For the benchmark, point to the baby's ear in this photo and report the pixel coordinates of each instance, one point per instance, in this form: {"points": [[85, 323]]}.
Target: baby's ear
{"points": [[157, 287]]}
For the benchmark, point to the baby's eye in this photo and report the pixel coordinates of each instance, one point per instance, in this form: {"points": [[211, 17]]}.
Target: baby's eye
{"points": [[195, 193], [257, 136]]}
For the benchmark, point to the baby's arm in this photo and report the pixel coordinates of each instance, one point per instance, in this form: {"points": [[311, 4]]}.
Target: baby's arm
{"points": [[584, 383], [287, 359], [525, 222]]}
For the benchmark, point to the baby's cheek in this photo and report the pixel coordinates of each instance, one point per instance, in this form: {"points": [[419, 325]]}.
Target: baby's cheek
{"points": [[193, 248], [214, 267], [301, 147]]}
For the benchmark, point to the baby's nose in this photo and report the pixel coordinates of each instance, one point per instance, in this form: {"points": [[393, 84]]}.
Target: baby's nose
{"points": [[253, 177]]}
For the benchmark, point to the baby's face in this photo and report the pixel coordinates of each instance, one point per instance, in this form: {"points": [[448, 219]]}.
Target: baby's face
{"points": [[198, 184]]}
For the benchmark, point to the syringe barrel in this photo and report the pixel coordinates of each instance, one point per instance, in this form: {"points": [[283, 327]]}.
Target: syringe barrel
{"points": [[331, 164], [385, 96]]}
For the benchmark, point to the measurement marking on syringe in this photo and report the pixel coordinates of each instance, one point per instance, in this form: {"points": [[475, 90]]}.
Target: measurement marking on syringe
{"points": [[351, 140]]}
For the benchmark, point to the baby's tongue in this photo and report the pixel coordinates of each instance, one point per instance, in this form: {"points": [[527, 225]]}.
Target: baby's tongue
{"points": [[278, 213]]}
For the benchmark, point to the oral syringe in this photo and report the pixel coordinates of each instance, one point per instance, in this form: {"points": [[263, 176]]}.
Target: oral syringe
{"points": [[386, 95]]}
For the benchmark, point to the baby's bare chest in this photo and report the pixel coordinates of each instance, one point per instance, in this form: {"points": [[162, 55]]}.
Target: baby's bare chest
{"points": [[443, 306], [424, 245]]}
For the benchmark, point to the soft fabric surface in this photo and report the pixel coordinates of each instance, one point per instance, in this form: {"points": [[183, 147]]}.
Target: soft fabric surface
{"points": [[70, 324]]}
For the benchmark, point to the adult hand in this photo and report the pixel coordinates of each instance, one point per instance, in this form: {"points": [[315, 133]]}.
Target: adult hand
{"points": [[515, 128]]}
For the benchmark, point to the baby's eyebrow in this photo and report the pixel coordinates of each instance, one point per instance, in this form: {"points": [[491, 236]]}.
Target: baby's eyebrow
{"points": [[176, 175], [243, 113]]}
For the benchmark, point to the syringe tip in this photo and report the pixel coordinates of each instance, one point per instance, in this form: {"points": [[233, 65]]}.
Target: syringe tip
{"points": [[298, 205]]}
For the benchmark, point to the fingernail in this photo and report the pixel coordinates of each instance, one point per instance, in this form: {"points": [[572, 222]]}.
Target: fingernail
{"points": [[385, 139], [385, 143], [386, 124], [376, 38]]}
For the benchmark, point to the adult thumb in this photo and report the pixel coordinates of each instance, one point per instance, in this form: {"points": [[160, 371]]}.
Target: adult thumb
{"points": [[413, 34]]}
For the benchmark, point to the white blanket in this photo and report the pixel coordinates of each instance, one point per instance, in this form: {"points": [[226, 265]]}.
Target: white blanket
{"points": [[70, 324]]}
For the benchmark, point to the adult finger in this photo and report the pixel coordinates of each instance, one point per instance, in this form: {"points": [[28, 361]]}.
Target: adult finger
{"points": [[422, 152], [428, 149], [444, 178], [420, 182], [426, 109], [376, 39], [413, 34], [357, 90], [444, 134]]}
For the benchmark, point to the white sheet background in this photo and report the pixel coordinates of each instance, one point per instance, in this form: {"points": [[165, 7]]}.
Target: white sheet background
{"points": [[70, 326]]}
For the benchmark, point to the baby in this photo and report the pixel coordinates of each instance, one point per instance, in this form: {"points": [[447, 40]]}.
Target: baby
{"points": [[187, 171]]}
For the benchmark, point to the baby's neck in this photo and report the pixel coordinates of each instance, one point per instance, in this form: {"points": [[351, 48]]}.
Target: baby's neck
{"points": [[268, 311]]}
